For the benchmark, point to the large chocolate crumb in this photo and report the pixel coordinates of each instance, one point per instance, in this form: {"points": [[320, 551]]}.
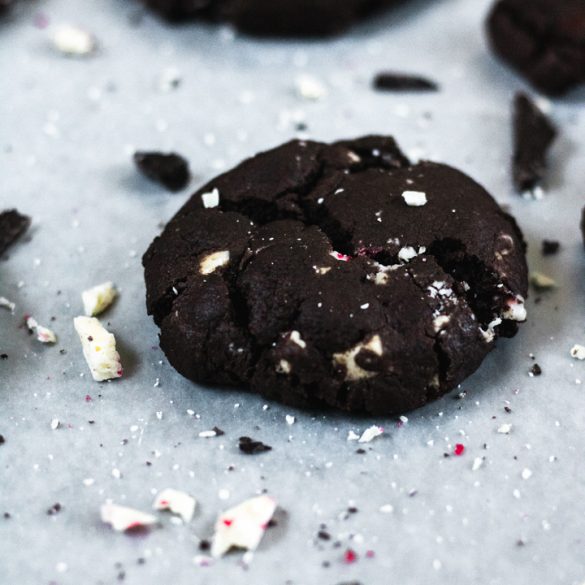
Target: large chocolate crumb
{"points": [[170, 170], [391, 81], [251, 447], [550, 247], [12, 226]]}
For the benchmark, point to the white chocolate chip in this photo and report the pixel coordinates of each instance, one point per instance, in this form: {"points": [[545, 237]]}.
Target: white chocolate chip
{"points": [[74, 41], [440, 322], [98, 298], [415, 198], [210, 199], [213, 261], [310, 88], [295, 337], [99, 349], [515, 311], [347, 358]]}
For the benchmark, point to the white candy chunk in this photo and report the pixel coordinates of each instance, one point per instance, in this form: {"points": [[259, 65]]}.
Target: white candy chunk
{"points": [[177, 502], [122, 518], [6, 304], [210, 199], [505, 429], [370, 434], [347, 358], [407, 253], [43, 334], [243, 526], [542, 281], [477, 463], [74, 41], [295, 337], [99, 349], [352, 436], [212, 262], [98, 298], [415, 198], [578, 352], [310, 88], [515, 311]]}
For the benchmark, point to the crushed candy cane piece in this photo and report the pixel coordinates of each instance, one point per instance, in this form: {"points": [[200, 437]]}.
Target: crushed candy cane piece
{"points": [[99, 349], [459, 449], [578, 352], [177, 502], [370, 434], [351, 436], [340, 256], [414, 198], [243, 526], [210, 199], [98, 298], [477, 463], [74, 41], [6, 304], [122, 518], [43, 334]]}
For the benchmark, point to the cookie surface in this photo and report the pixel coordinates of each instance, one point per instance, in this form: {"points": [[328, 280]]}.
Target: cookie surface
{"points": [[272, 17], [543, 39], [337, 274]]}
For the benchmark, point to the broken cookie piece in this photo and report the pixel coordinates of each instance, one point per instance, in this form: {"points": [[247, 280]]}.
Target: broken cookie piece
{"points": [[12, 226], [98, 298], [403, 82], [99, 349], [170, 170], [534, 134]]}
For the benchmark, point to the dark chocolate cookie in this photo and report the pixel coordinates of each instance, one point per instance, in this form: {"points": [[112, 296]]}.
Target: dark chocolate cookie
{"points": [[543, 39], [272, 17], [337, 274], [12, 226]]}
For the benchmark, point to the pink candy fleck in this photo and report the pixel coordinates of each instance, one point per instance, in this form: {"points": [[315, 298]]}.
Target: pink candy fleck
{"points": [[459, 449], [350, 556]]}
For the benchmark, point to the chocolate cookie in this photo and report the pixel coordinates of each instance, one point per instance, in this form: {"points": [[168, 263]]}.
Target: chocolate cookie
{"points": [[543, 39], [337, 274], [272, 17]]}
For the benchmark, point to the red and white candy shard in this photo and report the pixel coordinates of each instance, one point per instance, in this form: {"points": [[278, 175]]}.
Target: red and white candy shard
{"points": [[121, 518], [177, 502], [340, 256], [99, 349], [243, 526], [43, 334], [370, 434]]}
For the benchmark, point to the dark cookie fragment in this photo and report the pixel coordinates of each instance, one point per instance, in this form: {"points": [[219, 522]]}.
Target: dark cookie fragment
{"points": [[534, 134], [338, 275], [550, 247], [5, 5], [270, 17], [170, 170], [251, 447], [12, 226], [388, 81], [544, 40]]}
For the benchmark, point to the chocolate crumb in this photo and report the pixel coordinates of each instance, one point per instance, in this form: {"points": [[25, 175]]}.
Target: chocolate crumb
{"points": [[3, 356], [12, 226], [170, 170], [2, 440], [54, 509], [218, 431], [536, 370], [550, 247], [204, 544], [251, 447], [391, 81], [323, 535]]}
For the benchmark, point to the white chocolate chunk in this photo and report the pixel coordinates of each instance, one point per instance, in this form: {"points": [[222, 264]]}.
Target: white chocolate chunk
{"points": [[210, 199], [322, 269], [43, 334], [370, 434], [243, 526], [542, 281], [347, 359], [74, 41], [407, 253], [6, 304], [415, 198], [212, 262], [295, 337], [440, 322], [489, 334], [177, 502], [283, 367], [578, 352], [99, 349], [122, 518], [98, 298]]}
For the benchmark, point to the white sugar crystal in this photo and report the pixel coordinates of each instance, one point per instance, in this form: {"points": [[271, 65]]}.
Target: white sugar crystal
{"points": [[415, 198], [74, 41], [578, 352], [122, 518], [370, 434], [177, 502], [505, 429], [477, 463], [98, 298], [243, 526], [290, 420], [55, 424], [207, 434], [526, 473], [212, 262], [310, 88], [99, 349], [387, 509]]}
